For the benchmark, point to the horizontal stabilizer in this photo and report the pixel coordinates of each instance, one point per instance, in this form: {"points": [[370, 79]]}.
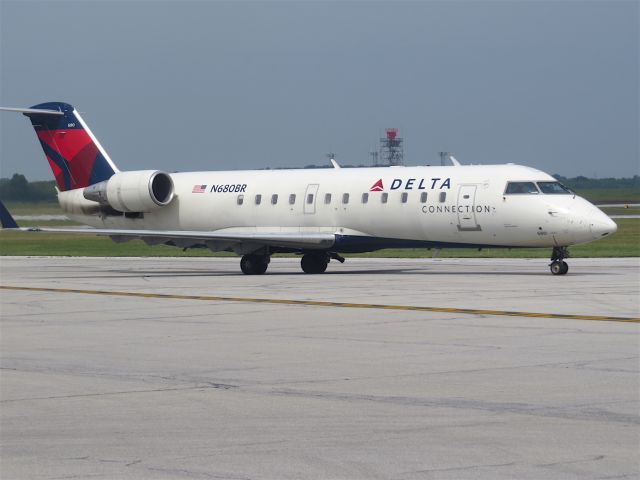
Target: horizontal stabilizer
{"points": [[6, 219], [32, 111]]}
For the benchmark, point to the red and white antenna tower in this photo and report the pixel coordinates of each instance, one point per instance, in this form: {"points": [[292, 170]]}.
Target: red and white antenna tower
{"points": [[391, 151]]}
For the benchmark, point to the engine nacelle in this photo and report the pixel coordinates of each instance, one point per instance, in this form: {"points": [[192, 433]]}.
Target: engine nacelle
{"points": [[141, 191]]}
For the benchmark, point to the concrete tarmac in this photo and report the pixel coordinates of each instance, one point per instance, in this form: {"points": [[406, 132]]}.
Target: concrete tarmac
{"points": [[206, 382]]}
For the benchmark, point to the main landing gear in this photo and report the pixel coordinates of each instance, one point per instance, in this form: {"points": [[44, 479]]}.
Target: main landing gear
{"points": [[558, 266], [316, 262], [254, 264], [312, 262]]}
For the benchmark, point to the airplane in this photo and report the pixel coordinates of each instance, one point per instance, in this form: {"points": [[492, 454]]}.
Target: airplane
{"points": [[317, 213]]}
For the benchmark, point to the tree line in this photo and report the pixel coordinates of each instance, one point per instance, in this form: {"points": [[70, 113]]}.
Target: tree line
{"points": [[19, 189], [584, 183]]}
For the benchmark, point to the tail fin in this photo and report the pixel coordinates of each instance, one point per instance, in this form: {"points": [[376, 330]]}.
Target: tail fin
{"points": [[75, 156], [6, 220]]}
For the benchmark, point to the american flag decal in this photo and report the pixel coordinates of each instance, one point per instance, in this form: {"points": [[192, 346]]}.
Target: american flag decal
{"points": [[199, 189]]}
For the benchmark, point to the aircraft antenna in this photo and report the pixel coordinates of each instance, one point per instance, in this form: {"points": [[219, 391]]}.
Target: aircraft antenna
{"points": [[444, 156]]}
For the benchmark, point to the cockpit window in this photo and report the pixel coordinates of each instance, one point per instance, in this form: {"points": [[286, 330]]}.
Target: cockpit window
{"points": [[554, 188], [520, 187]]}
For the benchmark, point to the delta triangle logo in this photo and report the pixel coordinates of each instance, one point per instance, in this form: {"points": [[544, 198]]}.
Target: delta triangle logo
{"points": [[377, 187]]}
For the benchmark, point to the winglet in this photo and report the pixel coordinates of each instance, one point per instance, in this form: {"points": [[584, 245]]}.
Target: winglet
{"points": [[334, 163], [6, 219]]}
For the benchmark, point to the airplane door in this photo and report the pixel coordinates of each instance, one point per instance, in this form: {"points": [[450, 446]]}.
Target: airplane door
{"points": [[466, 203], [310, 197]]}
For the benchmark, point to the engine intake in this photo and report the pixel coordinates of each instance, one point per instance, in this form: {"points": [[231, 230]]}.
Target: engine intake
{"points": [[140, 191]]}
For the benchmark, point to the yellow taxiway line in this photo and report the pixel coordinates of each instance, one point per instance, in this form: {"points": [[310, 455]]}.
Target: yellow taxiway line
{"points": [[317, 303]]}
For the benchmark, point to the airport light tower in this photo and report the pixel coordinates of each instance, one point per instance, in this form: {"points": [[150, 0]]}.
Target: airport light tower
{"points": [[391, 150]]}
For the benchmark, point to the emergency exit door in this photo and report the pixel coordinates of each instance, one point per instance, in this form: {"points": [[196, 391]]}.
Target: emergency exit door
{"points": [[310, 197]]}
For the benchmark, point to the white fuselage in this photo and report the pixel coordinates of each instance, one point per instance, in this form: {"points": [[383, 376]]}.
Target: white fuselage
{"points": [[453, 206]]}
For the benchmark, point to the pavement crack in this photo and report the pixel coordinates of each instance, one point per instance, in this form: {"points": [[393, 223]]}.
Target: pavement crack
{"points": [[181, 472], [516, 408], [455, 469], [594, 458], [125, 392]]}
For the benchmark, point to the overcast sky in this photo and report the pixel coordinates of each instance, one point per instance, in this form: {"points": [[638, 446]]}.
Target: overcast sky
{"points": [[180, 85]]}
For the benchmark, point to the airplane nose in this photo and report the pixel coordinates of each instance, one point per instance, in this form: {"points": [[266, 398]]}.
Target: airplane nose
{"points": [[603, 226]]}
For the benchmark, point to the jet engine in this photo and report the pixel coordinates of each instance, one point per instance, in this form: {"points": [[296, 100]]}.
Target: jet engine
{"points": [[139, 191]]}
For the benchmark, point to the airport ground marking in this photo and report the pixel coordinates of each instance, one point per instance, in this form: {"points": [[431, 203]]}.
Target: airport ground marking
{"points": [[320, 303]]}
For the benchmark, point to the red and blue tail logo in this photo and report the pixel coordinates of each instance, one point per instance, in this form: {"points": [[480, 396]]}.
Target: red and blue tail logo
{"points": [[75, 156]]}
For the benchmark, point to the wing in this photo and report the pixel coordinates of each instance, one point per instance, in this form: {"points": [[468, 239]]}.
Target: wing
{"points": [[217, 240]]}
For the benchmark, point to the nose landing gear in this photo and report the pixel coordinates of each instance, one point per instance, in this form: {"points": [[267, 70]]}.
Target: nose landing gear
{"points": [[558, 266]]}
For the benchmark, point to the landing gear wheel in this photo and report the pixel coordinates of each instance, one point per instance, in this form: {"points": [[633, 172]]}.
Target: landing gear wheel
{"points": [[558, 265], [559, 268], [254, 264], [564, 269], [314, 262]]}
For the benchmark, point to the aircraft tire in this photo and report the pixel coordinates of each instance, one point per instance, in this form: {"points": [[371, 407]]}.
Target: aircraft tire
{"points": [[314, 263], [559, 268], [565, 268], [254, 264]]}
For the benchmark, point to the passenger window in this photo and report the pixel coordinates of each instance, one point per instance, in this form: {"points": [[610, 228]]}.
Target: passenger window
{"points": [[292, 199], [516, 188], [404, 197], [555, 188], [327, 198], [443, 197], [384, 197], [365, 197], [310, 198], [423, 197], [240, 199], [274, 199], [258, 199], [345, 198]]}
